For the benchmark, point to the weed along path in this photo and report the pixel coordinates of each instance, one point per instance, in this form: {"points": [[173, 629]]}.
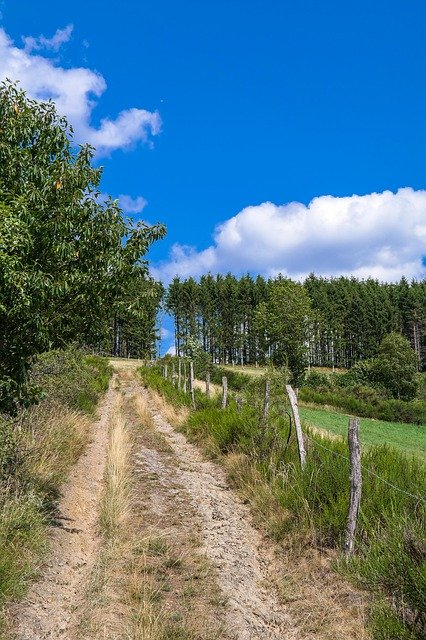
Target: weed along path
{"points": [[152, 543]]}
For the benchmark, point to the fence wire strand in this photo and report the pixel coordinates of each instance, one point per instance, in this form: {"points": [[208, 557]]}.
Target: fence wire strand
{"points": [[367, 470]]}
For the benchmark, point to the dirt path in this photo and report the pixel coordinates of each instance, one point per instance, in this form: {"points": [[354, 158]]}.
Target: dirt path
{"points": [[202, 559], [51, 607], [230, 541]]}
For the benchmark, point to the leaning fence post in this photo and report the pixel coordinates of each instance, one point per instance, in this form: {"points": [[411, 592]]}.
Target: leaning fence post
{"points": [[355, 478], [191, 382], [266, 401], [208, 385], [224, 391], [295, 409], [179, 373]]}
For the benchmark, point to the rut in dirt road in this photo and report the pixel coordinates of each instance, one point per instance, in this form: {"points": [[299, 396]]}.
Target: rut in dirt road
{"points": [[231, 542]]}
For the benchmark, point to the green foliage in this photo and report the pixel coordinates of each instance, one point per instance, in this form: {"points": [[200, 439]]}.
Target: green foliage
{"points": [[55, 373], [284, 320], [395, 367], [66, 257], [347, 321], [236, 380]]}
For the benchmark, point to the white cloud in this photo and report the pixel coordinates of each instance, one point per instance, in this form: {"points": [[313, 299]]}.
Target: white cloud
{"points": [[382, 235], [132, 205], [171, 351], [75, 92], [165, 333], [59, 38]]}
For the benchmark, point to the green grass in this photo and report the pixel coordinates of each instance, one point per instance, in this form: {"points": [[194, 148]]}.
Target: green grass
{"points": [[409, 438]]}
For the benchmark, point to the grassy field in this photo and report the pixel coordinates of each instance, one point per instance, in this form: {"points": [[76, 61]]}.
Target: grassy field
{"points": [[409, 438], [250, 371]]}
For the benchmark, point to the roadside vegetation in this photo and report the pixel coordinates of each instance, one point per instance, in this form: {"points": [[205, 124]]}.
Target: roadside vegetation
{"points": [[307, 508], [37, 448]]}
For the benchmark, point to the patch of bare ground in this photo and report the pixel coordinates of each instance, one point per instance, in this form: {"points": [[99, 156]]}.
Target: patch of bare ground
{"points": [[51, 606]]}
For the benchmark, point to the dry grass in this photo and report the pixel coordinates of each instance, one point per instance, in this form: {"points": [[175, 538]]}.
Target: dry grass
{"points": [[173, 415], [106, 612], [143, 412], [116, 501], [322, 604], [56, 440]]}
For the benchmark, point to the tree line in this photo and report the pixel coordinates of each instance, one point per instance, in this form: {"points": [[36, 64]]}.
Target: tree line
{"points": [[333, 322]]}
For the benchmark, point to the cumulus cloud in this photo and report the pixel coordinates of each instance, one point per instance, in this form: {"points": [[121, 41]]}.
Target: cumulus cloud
{"points": [[54, 44], [75, 92], [132, 205], [171, 351], [165, 333], [382, 235]]}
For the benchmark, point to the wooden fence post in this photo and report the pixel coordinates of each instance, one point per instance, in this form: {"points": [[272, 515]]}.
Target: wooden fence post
{"points": [[179, 373], [224, 391], [355, 477], [295, 410], [208, 385], [184, 377], [191, 383], [266, 401], [165, 371], [239, 405]]}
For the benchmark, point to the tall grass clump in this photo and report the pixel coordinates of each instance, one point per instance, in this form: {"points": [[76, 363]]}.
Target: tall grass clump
{"points": [[37, 448], [312, 503]]}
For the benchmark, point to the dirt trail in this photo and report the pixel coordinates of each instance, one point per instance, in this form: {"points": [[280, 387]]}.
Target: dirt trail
{"points": [[51, 606], [180, 494], [231, 542]]}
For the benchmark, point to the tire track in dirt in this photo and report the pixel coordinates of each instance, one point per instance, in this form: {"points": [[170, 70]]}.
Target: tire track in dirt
{"points": [[231, 542], [50, 609]]}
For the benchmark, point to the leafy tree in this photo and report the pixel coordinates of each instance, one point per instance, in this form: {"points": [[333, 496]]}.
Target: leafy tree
{"points": [[284, 320], [66, 256], [395, 367]]}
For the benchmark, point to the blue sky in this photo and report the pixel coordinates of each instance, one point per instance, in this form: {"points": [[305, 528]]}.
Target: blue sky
{"points": [[236, 114]]}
